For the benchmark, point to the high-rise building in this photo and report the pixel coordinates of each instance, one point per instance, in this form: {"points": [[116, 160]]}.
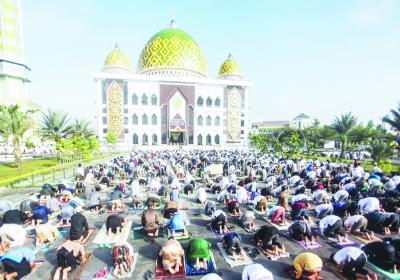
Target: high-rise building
{"points": [[14, 74]]}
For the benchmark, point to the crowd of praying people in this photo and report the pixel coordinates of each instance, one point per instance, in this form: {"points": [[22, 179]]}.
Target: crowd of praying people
{"points": [[276, 201]]}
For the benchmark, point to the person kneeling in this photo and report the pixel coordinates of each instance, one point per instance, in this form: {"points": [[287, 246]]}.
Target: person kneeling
{"points": [[123, 259], [267, 238], [114, 224], [177, 225], [151, 220], [219, 221], [199, 250], [247, 220], [231, 244], [331, 226], [171, 254], [233, 208], [69, 255], [307, 266], [301, 231], [18, 262], [45, 233], [351, 261]]}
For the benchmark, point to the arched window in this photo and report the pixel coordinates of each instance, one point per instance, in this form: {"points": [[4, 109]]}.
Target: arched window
{"points": [[199, 120], [200, 101], [135, 119], [217, 102], [144, 99], [135, 139], [154, 119], [164, 119], [208, 139], [209, 102], [217, 121], [145, 139], [134, 99], [145, 120], [125, 97], [154, 139], [208, 121], [216, 139], [154, 100], [199, 139]]}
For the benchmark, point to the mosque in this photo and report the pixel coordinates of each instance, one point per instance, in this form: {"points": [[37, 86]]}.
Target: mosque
{"points": [[170, 99]]}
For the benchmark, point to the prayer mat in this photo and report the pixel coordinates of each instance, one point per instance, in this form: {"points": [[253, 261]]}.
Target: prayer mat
{"points": [[103, 238], [251, 231], [365, 240], [230, 260], [273, 257], [178, 235], [191, 270], [162, 274], [138, 233], [76, 273], [252, 252], [216, 234], [279, 227], [129, 274], [334, 243], [388, 274], [302, 243], [332, 267]]}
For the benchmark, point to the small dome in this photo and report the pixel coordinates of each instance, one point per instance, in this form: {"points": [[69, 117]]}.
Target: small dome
{"points": [[230, 69], [116, 61], [172, 52]]}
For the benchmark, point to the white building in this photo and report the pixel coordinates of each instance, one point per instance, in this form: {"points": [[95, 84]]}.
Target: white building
{"points": [[302, 121], [170, 99]]}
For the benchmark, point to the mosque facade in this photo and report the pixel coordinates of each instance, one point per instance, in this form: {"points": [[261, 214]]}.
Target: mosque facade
{"points": [[170, 99]]}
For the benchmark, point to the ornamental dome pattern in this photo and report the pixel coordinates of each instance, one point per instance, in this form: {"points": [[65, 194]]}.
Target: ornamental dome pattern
{"points": [[230, 70], [116, 61], [172, 52]]}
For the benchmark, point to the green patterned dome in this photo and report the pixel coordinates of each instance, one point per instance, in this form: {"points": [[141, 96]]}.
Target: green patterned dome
{"points": [[117, 59], [230, 69], [172, 52]]}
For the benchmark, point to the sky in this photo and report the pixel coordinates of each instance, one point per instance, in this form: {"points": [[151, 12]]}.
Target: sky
{"points": [[321, 58]]}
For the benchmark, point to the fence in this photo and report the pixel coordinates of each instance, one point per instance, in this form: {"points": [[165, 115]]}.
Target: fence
{"points": [[66, 169]]}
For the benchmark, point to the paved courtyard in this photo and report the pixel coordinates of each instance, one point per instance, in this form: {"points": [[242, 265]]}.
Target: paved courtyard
{"points": [[148, 250]]}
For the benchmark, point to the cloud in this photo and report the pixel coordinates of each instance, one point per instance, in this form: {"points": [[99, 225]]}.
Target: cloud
{"points": [[371, 12]]}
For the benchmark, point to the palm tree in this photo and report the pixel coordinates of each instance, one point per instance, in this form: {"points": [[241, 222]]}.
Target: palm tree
{"points": [[81, 128], [342, 127], [395, 121], [380, 150], [14, 123], [54, 125]]}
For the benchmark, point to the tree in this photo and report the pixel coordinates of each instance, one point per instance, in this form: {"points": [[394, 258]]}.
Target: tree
{"points": [[111, 138], [78, 145], [395, 121], [81, 128], [380, 150], [342, 127], [54, 125], [14, 123]]}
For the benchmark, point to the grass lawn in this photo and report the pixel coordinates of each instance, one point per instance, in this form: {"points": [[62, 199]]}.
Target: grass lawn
{"points": [[368, 165], [8, 170]]}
